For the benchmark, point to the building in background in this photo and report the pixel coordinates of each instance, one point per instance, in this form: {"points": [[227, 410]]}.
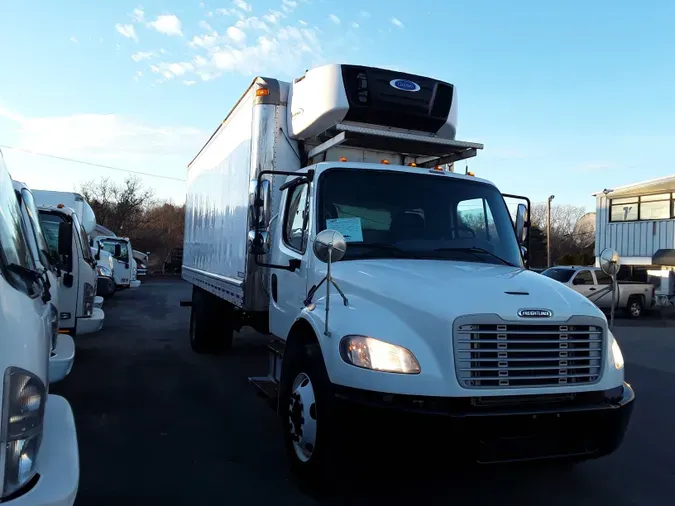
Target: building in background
{"points": [[638, 221]]}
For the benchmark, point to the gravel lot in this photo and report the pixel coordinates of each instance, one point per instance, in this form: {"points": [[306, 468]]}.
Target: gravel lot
{"points": [[158, 424]]}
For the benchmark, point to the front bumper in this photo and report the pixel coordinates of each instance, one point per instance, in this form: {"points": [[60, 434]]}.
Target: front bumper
{"points": [[58, 463], [91, 324], [498, 429], [135, 284], [62, 358]]}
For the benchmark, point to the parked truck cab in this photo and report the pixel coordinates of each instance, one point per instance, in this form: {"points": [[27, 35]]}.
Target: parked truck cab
{"points": [[125, 274], [67, 240], [327, 213], [62, 355], [39, 455]]}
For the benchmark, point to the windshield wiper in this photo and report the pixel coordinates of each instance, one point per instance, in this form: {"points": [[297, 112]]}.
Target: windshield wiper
{"points": [[475, 250], [32, 277]]}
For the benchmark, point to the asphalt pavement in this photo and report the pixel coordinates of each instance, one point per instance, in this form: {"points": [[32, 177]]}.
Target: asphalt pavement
{"points": [[158, 424]]}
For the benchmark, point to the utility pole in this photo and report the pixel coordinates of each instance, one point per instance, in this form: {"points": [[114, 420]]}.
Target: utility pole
{"points": [[548, 231]]}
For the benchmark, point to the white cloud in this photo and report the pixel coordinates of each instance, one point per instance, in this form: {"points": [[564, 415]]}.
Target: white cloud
{"points": [[139, 73], [230, 12], [273, 17], [205, 26], [138, 15], [142, 55], [334, 19], [74, 39], [102, 136], [364, 14], [288, 5], [126, 31], [168, 24], [355, 25], [396, 22], [303, 22], [202, 4], [189, 83], [243, 5], [236, 34]]}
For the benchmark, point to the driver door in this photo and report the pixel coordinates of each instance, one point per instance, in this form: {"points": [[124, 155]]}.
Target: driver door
{"points": [[289, 288]]}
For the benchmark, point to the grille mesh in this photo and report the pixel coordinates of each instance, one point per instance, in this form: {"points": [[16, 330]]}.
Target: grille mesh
{"points": [[503, 355]]}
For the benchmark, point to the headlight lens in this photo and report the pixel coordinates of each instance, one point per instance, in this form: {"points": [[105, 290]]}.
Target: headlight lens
{"points": [[616, 354], [370, 353], [102, 270], [25, 397], [88, 299]]}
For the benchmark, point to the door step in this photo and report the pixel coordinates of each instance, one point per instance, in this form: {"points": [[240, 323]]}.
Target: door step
{"points": [[268, 386]]}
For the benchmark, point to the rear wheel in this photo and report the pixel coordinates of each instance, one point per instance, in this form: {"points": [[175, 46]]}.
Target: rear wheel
{"points": [[306, 408], [211, 328], [635, 307]]}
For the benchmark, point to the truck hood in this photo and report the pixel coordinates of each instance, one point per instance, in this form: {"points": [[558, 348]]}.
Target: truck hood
{"points": [[449, 289]]}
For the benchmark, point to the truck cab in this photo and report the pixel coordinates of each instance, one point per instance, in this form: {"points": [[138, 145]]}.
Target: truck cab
{"points": [[62, 354], [125, 274], [39, 451], [327, 212], [67, 240]]}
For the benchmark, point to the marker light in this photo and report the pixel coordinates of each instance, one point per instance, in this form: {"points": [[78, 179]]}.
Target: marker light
{"points": [[262, 92], [386, 162], [412, 164], [60, 206], [343, 158], [438, 167], [470, 174]]}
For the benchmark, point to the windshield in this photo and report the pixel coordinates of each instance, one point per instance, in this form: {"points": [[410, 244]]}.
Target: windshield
{"points": [[32, 212], [82, 239], [385, 214], [50, 227], [109, 246], [562, 275]]}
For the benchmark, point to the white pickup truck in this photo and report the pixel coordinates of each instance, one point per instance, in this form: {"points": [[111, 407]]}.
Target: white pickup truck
{"points": [[631, 296]]}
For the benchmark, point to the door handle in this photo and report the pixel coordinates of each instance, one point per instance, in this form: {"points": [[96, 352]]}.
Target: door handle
{"points": [[592, 289]]}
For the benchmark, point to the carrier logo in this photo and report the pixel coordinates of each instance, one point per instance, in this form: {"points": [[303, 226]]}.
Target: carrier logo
{"points": [[404, 85], [535, 313]]}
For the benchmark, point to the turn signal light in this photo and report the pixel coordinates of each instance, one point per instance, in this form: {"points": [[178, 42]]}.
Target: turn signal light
{"points": [[262, 92]]}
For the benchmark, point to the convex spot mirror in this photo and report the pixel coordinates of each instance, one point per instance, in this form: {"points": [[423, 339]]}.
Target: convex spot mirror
{"points": [[330, 244], [610, 262]]}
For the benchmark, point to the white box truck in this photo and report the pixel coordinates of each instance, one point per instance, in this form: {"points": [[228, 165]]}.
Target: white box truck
{"points": [[39, 453], [62, 354], [321, 212]]}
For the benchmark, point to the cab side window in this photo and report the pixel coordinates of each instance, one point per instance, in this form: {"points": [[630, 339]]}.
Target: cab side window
{"points": [[583, 278], [294, 231], [15, 256]]}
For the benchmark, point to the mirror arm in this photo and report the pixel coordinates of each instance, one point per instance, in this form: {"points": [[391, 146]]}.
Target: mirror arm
{"points": [[293, 264]]}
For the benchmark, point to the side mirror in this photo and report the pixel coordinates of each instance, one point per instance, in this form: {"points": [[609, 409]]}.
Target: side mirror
{"points": [[258, 242], [147, 253], [610, 262], [68, 280], [521, 223], [98, 252], [330, 246], [65, 246], [118, 251]]}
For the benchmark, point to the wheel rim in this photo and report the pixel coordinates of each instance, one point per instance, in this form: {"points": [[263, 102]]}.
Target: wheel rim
{"points": [[302, 417], [635, 309]]}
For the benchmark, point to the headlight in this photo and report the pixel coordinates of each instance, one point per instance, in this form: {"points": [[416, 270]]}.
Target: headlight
{"points": [[24, 398], [102, 270], [616, 354], [88, 299], [370, 353], [54, 320]]}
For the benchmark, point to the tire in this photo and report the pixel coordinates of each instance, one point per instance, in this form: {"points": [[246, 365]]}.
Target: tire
{"points": [[210, 324], [305, 395], [635, 307]]}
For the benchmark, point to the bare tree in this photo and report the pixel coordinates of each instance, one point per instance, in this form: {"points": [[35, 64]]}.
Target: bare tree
{"points": [[565, 240]]}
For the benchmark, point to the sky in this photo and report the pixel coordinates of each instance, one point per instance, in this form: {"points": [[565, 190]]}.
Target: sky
{"points": [[568, 97]]}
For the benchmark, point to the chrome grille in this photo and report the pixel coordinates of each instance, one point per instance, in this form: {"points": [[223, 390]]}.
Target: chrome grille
{"points": [[503, 355]]}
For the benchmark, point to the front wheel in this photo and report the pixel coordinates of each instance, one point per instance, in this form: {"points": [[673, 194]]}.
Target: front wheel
{"points": [[306, 409]]}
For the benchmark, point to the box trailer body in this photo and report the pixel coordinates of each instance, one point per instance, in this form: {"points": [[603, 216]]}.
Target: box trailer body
{"points": [[428, 302], [39, 453]]}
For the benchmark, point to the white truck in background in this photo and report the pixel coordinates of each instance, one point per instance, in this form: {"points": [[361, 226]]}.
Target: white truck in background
{"points": [[39, 451], [67, 240], [62, 354], [125, 272], [324, 212]]}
